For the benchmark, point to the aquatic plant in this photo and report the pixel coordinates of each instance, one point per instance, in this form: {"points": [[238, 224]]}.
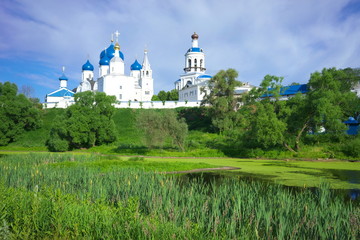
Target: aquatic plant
{"points": [[56, 196]]}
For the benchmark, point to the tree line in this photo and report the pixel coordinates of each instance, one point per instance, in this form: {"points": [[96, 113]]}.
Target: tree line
{"points": [[255, 121]]}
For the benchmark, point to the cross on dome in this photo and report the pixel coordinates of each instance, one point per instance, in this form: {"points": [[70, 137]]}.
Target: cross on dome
{"points": [[117, 35], [63, 69]]}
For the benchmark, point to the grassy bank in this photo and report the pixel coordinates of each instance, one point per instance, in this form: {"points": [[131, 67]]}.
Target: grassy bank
{"points": [[199, 143], [70, 197]]}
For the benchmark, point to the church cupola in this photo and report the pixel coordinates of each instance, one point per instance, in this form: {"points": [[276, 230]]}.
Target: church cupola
{"points": [[135, 66], [135, 69], [63, 79], [117, 65], [195, 38], [104, 60], [195, 57], [88, 66], [87, 71]]}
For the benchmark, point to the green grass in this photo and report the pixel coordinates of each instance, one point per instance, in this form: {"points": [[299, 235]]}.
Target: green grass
{"points": [[51, 196], [289, 173]]}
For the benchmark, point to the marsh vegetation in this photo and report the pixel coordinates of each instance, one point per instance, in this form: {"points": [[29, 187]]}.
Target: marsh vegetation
{"points": [[66, 196]]}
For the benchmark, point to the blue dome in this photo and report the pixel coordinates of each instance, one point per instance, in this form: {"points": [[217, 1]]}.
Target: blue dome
{"points": [[136, 66], [110, 52], [63, 77], [88, 66], [104, 60]]}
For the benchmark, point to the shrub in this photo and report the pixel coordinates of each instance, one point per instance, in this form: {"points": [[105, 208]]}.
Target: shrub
{"points": [[352, 148]]}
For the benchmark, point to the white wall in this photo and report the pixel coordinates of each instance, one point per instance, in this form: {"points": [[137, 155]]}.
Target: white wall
{"points": [[133, 104]]}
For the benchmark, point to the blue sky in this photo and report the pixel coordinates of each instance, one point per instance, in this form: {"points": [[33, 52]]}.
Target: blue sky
{"points": [[280, 37]]}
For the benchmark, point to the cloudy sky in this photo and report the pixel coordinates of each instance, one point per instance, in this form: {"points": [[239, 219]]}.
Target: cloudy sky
{"points": [[286, 38]]}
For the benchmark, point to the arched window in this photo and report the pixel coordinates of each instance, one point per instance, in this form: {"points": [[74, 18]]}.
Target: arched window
{"points": [[189, 63], [195, 62], [147, 73], [201, 63]]}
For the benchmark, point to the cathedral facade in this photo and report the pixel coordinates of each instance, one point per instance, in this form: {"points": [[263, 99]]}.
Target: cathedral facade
{"points": [[112, 80]]}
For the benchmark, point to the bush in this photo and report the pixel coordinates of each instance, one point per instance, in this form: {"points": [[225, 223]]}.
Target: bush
{"points": [[352, 148], [57, 145]]}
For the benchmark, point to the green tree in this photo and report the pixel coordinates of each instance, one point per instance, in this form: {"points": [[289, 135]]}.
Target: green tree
{"points": [[331, 100], [157, 127], [222, 101], [328, 102], [172, 95], [87, 123], [162, 95], [17, 113], [155, 98], [265, 130]]}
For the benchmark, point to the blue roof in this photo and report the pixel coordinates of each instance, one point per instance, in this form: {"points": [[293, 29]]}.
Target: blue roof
{"points": [[88, 66], [289, 90], [63, 77], [62, 92], [195, 49], [204, 76], [110, 52], [104, 60], [136, 66], [351, 120]]}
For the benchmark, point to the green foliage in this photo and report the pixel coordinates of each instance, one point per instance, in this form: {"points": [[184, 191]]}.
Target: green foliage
{"points": [[222, 101], [197, 118], [17, 114], [86, 123], [266, 129], [352, 148], [155, 98], [172, 95], [162, 96], [157, 127]]}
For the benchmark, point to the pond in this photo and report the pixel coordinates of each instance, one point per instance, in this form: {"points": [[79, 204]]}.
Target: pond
{"points": [[351, 176]]}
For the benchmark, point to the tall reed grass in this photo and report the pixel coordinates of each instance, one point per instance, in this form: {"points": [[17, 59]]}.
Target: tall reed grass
{"points": [[42, 199]]}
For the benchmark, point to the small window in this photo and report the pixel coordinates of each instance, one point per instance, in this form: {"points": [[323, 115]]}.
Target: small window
{"points": [[120, 87], [147, 73], [147, 92], [120, 96]]}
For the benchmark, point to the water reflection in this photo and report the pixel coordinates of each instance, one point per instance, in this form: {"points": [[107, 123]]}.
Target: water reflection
{"points": [[219, 177], [350, 176]]}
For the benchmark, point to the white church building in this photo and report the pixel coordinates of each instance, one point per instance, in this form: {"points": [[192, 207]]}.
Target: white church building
{"points": [[62, 97], [193, 83], [112, 80], [194, 77], [136, 89]]}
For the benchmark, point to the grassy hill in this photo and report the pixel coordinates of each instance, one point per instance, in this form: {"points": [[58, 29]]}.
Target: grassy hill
{"points": [[200, 142], [129, 138]]}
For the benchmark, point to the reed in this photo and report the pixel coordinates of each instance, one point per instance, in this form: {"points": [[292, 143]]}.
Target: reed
{"points": [[57, 196]]}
